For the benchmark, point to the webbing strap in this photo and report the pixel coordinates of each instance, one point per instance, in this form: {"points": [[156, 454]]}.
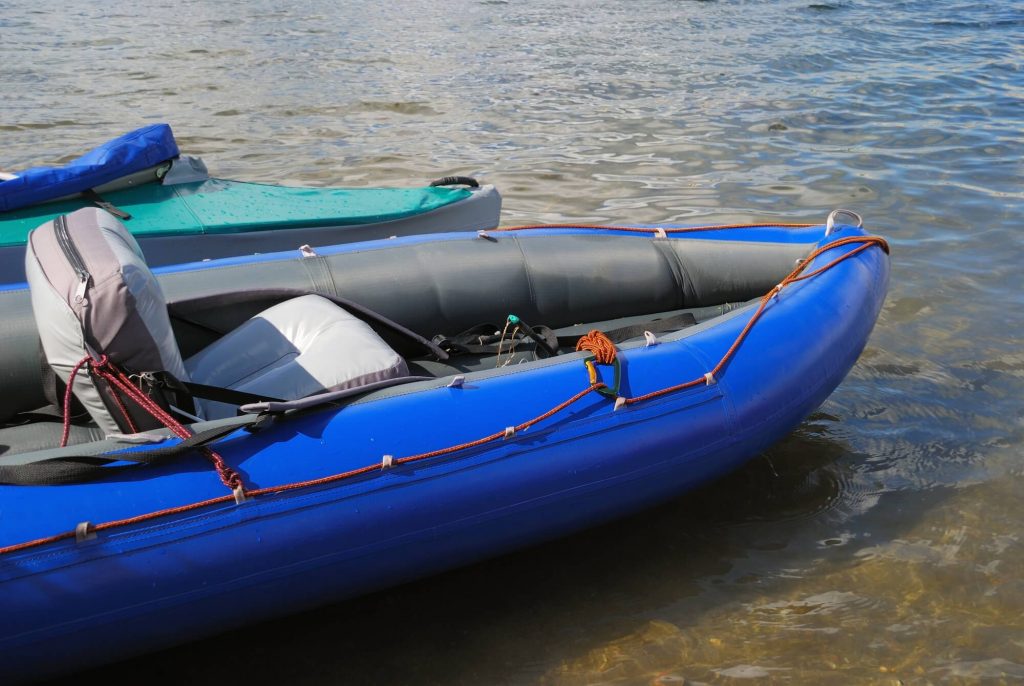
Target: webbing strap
{"points": [[70, 469], [488, 339], [97, 200], [482, 339], [226, 395], [673, 323], [181, 309], [215, 393]]}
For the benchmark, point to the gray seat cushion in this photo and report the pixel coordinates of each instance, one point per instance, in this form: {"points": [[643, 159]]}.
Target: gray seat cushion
{"points": [[302, 346], [92, 293]]}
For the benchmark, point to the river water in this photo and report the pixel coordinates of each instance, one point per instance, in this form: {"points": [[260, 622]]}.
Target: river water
{"points": [[881, 542]]}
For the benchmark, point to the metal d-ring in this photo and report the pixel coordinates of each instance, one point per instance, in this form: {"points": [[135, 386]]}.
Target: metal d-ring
{"points": [[830, 223]]}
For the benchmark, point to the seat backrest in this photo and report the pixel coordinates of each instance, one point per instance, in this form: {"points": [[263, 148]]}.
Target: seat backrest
{"points": [[92, 294]]}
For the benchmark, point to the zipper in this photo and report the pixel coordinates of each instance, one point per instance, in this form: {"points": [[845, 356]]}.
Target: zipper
{"points": [[74, 258]]}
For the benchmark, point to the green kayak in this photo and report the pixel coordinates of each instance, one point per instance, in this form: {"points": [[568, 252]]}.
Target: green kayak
{"points": [[179, 214]]}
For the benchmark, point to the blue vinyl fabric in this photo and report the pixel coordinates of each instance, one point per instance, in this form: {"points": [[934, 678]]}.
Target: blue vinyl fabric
{"points": [[152, 584], [127, 154]]}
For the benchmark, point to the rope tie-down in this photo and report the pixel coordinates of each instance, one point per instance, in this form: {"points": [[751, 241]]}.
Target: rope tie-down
{"points": [[603, 352], [121, 385]]}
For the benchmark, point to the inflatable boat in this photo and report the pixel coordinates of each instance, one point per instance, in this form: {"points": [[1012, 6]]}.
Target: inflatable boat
{"points": [[249, 437], [179, 214]]}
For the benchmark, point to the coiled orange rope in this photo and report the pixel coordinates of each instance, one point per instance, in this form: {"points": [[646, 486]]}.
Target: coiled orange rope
{"points": [[599, 344]]}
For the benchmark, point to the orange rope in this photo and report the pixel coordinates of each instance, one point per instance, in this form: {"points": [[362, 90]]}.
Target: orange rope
{"points": [[120, 522], [595, 342], [421, 456], [794, 276], [599, 344]]}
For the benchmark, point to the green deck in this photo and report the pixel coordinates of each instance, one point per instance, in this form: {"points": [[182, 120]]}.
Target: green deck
{"points": [[217, 206]]}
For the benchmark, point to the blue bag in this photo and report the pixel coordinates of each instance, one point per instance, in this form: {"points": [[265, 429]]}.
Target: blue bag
{"points": [[127, 154]]}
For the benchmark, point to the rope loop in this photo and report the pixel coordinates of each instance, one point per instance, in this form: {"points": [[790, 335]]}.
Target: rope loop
{"points": [[120, 385]]}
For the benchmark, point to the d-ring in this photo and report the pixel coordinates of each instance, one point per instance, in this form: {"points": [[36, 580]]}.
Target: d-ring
{"points": [[830, 223]]}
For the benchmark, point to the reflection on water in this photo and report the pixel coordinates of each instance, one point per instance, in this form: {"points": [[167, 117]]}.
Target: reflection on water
{"points": [[879, 542], [933, 601]]}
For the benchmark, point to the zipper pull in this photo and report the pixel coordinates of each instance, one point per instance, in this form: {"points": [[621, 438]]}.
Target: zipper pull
{"points": [[83, 284]]}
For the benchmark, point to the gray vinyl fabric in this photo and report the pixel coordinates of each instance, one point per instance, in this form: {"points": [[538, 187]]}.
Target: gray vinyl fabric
{"points": [[119, 311], [447, 285], [299, 347], [43, 435]]}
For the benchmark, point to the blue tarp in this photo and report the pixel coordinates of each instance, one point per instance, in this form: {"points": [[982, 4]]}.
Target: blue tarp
{"points": [[132, 152]]}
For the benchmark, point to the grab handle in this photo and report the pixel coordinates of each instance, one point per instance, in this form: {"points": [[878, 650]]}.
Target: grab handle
{"points": [[830, 223]]}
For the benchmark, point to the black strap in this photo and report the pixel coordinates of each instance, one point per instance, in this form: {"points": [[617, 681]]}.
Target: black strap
{"points": [[99, 202], [199, 390], [72, 469], [625, 333], [227, 395], [487, 339], [180, 310]]}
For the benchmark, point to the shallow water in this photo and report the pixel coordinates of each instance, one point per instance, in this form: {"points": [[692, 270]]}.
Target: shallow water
{"points": [[881, 541]]}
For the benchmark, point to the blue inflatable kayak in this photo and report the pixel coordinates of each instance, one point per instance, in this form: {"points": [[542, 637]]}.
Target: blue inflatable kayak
{"points": [[550, 379]]}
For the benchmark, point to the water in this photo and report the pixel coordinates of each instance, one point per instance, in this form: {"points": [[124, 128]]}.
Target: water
{"points": [[880, 543]]}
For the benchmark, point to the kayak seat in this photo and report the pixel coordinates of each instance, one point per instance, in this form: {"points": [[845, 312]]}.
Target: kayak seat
{"points": [[299, 347], [93, 294]]}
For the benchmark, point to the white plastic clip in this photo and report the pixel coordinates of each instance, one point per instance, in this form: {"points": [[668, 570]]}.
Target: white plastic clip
{"points": [[620, 402], [710, 379], [307, 250], [387, 462], [510, 431], [486, 236], [650, 339], [660, 233], [457, 382], [776, 291], [239, 493], [85, 531]]}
